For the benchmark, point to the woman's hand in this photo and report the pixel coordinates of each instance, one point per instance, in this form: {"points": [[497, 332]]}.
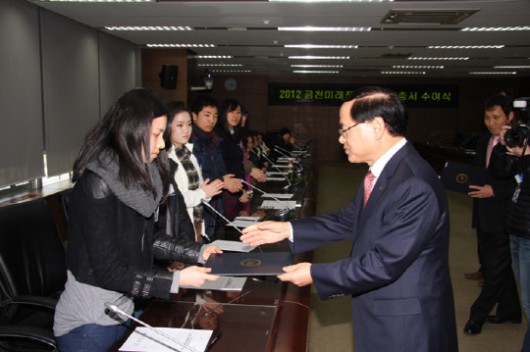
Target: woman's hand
{"points": [[244, 197], [232, 184], [212, 188], [210, 249], [258, 175], [196, 276]]}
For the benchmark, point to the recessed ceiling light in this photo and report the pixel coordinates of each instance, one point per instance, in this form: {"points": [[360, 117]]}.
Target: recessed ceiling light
{"points": [[331, 0], [221, 65], [212, 57], [466, 46], [318, 66], [403, 72], [512, 67], [181, 45], [439, 58], [149, 28], [419, 67], [496, 29], [318, 46], [315, 72], [230, 71], [493, 73], [312, 57], [98, 0], [325, 29]]}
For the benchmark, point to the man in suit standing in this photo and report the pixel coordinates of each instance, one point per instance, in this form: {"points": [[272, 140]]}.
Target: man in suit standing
{"points": [[490, 204], [398, 272]]}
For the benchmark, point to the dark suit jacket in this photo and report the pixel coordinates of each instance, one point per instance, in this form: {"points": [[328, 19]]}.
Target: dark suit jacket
{"points": [[398, 272], [490, 214]]}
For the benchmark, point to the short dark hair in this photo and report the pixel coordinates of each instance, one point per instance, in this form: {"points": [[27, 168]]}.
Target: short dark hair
{"points": [[203, 101], [124, 129], [505, 102], [229, 105], [370, 102]]}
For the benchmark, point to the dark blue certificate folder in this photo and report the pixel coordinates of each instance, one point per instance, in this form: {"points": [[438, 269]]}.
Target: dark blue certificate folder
{"points": [[249, 264], [458, 176]]}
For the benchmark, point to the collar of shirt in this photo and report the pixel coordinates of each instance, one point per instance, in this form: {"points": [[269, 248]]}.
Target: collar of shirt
{"points": [[380, 164]]}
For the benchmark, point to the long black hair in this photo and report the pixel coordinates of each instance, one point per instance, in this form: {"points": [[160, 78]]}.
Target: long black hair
{"points": [[124, 129]]}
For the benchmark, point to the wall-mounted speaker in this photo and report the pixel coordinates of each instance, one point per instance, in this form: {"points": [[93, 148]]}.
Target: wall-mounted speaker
{"points": [[168, 76]]}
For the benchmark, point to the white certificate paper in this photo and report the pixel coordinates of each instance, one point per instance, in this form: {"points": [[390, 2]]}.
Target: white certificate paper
{"points": [[185, 340]]}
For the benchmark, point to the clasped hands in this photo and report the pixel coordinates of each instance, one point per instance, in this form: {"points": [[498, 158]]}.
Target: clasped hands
{"points": [[272, 232]]}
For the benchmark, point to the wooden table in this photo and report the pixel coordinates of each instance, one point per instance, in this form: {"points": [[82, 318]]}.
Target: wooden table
{"points": [[267, 315]]}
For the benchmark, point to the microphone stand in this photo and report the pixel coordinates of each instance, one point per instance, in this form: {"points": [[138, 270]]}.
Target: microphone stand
{"points": [[118, 311], [280, 213], [224, 218], [287, 187]]}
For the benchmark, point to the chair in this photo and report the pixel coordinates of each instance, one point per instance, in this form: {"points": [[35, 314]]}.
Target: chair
{"points": [[32, 275]]}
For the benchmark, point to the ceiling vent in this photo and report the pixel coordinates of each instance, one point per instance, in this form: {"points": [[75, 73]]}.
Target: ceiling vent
{"points": [[427, 17]]}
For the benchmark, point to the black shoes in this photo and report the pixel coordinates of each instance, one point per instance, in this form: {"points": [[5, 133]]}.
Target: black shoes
{"points": [[496, 319], [473, 328]]}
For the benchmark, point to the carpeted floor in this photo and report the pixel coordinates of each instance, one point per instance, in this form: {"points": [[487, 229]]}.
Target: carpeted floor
{"points": [[330, 326]]}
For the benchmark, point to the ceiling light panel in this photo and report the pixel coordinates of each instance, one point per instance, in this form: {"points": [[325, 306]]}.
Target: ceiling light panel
{"points": [[319, 46], [496, 29], [318, 66], [418, 67], [403, 72], [319, 72], [181, 45], [493, 73], [314, 57], [325, 29], [149, 28], [438, 58], [98, 1], [466, 46]]}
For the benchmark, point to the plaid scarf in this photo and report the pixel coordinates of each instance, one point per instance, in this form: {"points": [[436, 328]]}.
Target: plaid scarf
{"points": [[183, 154]]}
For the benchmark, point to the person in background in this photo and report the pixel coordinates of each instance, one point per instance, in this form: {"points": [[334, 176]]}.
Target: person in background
{"points": [[206, 148], [397, 274], [230, 130], [514, 162], [185, 168], [121, 176], [490, 202]]}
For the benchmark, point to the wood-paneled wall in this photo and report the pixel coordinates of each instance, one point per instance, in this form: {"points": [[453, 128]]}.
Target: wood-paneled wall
{"points": [[321, 123]]}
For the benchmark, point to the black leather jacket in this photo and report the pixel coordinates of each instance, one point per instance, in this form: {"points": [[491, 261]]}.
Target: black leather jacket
{"points": [[112, 246], [507, 166]]}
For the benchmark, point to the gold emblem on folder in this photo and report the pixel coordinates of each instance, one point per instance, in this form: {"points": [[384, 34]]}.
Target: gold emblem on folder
{"points": [[250, 262], [462, 178]]}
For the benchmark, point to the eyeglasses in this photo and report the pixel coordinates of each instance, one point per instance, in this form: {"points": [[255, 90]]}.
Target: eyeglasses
{"points": [[342, 131]]}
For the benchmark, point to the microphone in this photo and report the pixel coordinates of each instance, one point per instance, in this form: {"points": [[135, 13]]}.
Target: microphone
{"points": [[221, 215], [224, 218], [296, 161], [113, 308], [283, 152], [287, 187], [280, 213]]}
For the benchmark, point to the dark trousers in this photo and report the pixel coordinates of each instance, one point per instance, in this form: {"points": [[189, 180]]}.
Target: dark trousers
{"points": [[499, 283]]}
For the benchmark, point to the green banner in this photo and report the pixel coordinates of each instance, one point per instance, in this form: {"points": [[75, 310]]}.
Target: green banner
{"points": [[413, 96]]}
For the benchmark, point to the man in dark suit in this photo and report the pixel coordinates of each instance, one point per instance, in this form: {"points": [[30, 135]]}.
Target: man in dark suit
{"points": [[398, 272], [490, 202]]}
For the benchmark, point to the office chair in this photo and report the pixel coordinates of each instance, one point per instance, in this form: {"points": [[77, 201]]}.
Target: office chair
{"points": [[32, 275]]}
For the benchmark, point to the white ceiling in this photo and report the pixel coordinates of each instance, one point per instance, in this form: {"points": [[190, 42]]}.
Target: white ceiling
{"points": [[247, 31]]}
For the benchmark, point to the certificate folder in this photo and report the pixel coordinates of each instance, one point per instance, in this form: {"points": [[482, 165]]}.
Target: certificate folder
{"points": [[249, 264], [458, 176]]}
